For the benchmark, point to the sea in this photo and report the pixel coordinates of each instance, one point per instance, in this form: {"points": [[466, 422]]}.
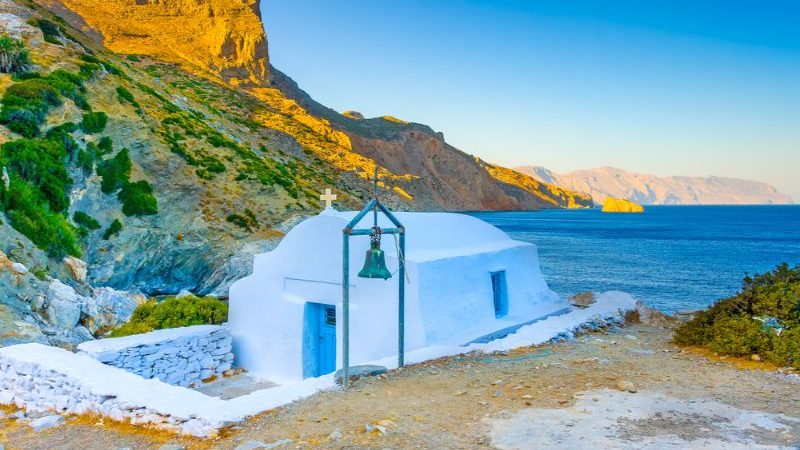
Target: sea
{"points": [[672, 258]]}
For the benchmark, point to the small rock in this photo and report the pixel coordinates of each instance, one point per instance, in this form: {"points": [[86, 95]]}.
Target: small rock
{"points": [[378, 429], [563, 402], [497, 394], [755, 358], [171, 447], [335, 436], [460, 393], [45, 423], [583, 299], [527, 397], [357, 372], [627, 386], [251, 445], [19, 268]]}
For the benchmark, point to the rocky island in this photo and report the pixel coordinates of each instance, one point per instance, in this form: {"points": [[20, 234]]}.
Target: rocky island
{"points": [[619, 205]]}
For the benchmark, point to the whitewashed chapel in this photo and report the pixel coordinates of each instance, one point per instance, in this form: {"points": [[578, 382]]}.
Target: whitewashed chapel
{"points": [[467, 281]]}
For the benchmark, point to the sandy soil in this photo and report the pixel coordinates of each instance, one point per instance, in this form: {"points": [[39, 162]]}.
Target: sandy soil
{"points": [[529, 398]]}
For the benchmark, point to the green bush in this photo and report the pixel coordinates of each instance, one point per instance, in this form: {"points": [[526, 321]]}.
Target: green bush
{"points": [[115, 172], [32, 217], [85, 220], [732, 326], [112, 230], [247, 221], [14, 57], [174, 312], [105, 145], [138, 199], [51, 31], [39, 162], [126, 96], [27, 102], [94, 122]]}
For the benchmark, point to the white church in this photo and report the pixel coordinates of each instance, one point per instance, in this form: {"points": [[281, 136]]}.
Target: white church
{"points": [[467, 281]]}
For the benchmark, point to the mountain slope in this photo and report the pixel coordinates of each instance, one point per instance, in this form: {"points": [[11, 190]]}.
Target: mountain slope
{"points": [[166, 164], [648, 189]]}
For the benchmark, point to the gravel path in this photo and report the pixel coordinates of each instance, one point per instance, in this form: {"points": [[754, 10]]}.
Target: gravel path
{"points": [[682, 400]]}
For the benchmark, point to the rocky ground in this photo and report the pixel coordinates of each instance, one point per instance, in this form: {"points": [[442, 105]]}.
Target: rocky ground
{"points": [[578, 394]]}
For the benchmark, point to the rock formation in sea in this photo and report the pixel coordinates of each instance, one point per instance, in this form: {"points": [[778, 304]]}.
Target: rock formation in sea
{"points": [[649, 189], [619, 205]]}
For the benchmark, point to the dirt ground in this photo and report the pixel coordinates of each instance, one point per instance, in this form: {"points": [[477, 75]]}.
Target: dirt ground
{"points": [[563, 396]]}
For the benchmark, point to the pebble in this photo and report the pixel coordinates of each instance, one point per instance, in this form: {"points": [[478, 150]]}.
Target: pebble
{"points": [[171, 447], [755, 358], [335, 436], [258, 445], [497, 394], [251, 445], [627, 386], [370, 428], [46, 422]]}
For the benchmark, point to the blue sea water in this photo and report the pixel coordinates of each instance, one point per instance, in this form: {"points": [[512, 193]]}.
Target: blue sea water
{"points": [[674, 258]]}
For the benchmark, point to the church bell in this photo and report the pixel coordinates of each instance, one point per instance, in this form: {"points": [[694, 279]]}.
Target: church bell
{"points": [[375, 263]]}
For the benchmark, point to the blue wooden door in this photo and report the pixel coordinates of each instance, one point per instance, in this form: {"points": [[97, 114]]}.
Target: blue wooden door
{"points": [[319, 347], [327, 340]]}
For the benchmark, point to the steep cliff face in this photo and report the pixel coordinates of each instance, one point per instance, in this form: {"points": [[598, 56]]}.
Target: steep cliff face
{"points": [[220, 38], [649, 189], [435, 174]]}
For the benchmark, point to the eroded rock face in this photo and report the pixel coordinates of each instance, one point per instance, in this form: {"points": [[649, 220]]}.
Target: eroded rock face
{"points": [[224, 38]]}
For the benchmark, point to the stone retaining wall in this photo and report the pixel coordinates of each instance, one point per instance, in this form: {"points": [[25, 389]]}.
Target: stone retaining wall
{"points": [[38, 378], [179, 356]]}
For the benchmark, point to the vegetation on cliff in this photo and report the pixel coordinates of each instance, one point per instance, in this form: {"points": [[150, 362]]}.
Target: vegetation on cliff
{"points": [[762, 319], [174, 312], [14, 57]]}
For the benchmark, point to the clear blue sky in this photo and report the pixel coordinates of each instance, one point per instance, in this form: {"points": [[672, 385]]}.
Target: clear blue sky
{"points": [[666, 87]]}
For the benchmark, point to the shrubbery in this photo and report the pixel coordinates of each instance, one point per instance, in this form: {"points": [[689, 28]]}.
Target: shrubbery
{"points": [[27, 102], [14, 57], [246, 221], [112, 230], [137, 198], [115, 172], [85, 220], [174, 312], [735, 326], [37, 194], [126, 95], [94, 122]]}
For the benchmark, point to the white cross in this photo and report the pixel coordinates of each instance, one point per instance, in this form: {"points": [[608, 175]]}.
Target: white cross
{"points": [[328, 197]]}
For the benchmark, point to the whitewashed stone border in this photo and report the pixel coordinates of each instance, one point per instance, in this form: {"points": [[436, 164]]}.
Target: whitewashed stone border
{"points": [[179, 356], [39, 378]]}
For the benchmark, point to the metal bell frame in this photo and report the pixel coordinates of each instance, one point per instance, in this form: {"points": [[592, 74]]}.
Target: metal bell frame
{"points": [[374, 206]]}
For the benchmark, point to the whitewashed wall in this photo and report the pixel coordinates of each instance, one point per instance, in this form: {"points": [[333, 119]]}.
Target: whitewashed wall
{"points": [[179, 356]]}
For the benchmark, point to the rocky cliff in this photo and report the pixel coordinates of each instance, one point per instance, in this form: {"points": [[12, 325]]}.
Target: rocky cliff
{"points": [[218, 38], [648, 189], [149, 147]]}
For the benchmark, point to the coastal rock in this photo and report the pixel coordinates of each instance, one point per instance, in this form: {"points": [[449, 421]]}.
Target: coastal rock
{"points": [[77, 268], [618, 205], [583, 299], [627, 386]]}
